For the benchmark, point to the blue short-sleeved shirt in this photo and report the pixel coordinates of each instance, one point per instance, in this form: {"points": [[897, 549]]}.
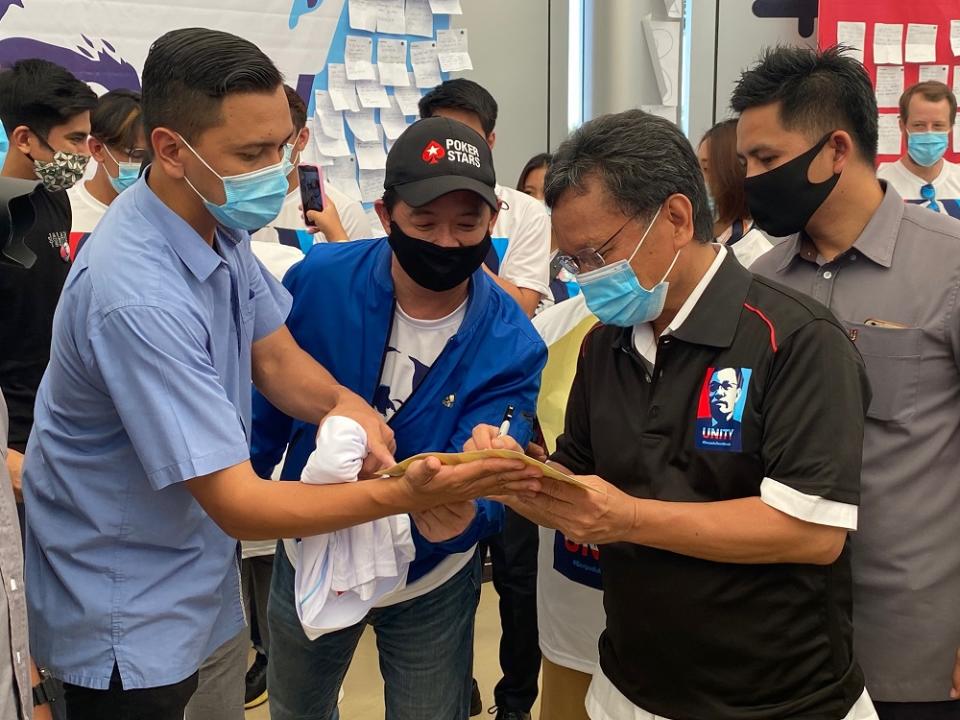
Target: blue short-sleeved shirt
{"points": [[148, 385]]}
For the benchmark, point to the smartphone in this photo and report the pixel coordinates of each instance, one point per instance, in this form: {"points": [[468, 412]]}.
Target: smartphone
{"points": [[311, 188]]}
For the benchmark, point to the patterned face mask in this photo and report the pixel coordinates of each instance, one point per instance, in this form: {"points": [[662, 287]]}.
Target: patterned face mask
{"points": [[63, 172]]}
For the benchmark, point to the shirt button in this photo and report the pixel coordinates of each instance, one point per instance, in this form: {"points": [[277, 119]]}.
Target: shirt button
{"points": [[853, 257], [654, 411], [827, 274], [19, 658], [13, 585]]}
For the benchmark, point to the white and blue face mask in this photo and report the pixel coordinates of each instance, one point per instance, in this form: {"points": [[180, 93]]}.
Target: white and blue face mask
{"points": [[616, 297], [127, 173], [253, 199]]}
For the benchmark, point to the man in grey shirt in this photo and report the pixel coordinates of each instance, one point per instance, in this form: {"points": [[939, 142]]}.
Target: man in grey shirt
{"points": [[891, 273]]}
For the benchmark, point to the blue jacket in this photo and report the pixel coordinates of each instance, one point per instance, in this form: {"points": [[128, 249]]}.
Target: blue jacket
{"points": [[343, 306]]}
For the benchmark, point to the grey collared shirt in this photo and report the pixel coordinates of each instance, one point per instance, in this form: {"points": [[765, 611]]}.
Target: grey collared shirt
{"points": [[897, 292], [15, 692]]}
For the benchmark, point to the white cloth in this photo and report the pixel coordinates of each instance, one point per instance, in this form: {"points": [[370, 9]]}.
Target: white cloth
{"points": [[605, 702], [525, 225], [787, 500], [85, 208], [907, 185], [751, 246], [413, 348], [354, 220], [341, 575]]}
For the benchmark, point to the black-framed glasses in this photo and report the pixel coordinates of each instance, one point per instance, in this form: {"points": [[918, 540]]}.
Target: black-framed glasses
{"points": [[929, 193], [588, 259]]}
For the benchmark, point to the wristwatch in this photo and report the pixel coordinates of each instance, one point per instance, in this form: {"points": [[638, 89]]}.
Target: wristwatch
{"points": [[44, 692]]}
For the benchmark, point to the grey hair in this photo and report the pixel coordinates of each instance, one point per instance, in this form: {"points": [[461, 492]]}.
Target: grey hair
{"points": [[640, 160]]}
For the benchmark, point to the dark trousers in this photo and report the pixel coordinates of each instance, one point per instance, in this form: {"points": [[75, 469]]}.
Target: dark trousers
{"points": [[160, 703], [513, 554], [949, 710], [256, 574]]}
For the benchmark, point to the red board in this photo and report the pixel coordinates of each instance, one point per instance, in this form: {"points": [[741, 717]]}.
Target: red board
{"points": [[930, 12]]}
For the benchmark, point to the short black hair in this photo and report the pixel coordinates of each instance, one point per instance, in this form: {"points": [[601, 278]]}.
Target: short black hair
{"points": [[189, 72], [41, 95], [818, 92], [461, 94], [639, 159], [298, 108], [117, 119]]}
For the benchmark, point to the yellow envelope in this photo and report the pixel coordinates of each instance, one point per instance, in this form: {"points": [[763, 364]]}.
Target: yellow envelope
{"points": [[465, 457]]}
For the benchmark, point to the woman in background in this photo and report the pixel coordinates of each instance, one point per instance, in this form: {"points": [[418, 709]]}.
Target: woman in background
{"points": [[724, 175]]}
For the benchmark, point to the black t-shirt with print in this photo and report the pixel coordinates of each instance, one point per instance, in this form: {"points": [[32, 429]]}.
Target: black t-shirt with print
{"points": [[28, 298], [758, 382]]}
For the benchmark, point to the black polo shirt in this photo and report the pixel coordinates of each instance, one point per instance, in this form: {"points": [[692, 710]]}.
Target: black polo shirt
{"points": [[695, 640]]}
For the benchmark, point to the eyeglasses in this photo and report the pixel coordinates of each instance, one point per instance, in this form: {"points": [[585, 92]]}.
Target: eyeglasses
{"points": [[588, 259], [929, 193]]}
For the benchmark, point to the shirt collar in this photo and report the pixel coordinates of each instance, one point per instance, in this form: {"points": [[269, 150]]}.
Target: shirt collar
{"points": [[877, 241], [199, 257]]}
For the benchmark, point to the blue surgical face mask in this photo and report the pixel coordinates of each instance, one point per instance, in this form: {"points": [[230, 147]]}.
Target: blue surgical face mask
{"points": [[126, 175], [253, 199], [616, 297], [927, 148]]}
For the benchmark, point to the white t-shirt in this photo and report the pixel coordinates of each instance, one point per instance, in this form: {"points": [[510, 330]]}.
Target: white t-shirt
{"points": [[413, 348], [86, 209], [570, 612], [907, 185], [521, 238], [354, 220]]}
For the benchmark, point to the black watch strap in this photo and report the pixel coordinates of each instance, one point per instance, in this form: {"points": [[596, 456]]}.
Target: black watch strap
{"points": [[45, 692]]}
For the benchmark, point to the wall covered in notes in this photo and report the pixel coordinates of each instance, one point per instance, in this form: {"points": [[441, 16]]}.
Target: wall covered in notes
{"points": [[900, 44]]}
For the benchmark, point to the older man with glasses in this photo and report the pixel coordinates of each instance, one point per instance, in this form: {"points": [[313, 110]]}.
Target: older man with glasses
{"points": [[726, 566]]}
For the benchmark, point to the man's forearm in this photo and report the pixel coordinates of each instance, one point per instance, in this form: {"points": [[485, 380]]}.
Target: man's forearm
{"points": [[746, 531], [295, 383]]}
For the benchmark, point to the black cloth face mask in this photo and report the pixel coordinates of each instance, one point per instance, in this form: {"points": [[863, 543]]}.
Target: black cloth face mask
{"points": [[783, 200], [433, 267]]}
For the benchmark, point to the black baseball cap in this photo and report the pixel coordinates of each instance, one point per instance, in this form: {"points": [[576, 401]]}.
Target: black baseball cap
{"points": [[436, 156]]}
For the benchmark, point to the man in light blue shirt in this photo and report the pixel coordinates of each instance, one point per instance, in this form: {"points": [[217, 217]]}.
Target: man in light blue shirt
{"points": [[138, 479]]}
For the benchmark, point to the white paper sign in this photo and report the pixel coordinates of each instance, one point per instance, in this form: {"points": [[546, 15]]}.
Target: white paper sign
{"points": [[390, 17], [357, 57], [408, 98], [372, 94], [392, 62], [425, 63], [371, 185], [446, 7], [956, 79], [329, 120], [888, 44], [889, 125], [663, 44], [371, 155], [362, 124], [331, 147], [343, 168], [889, 85], [667, 112], [921, 43], [363, 15], [392, 120], [343, 93], [419, 18], [940, 73], [453, 51], [852, 35], [955, 36], [674, 8]]}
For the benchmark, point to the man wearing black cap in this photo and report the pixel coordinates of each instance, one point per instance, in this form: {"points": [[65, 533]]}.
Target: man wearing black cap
{"points": [[413, 324]]}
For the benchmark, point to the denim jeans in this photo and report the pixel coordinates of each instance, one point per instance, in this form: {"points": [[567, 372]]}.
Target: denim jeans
{"points": [[425, 646]]}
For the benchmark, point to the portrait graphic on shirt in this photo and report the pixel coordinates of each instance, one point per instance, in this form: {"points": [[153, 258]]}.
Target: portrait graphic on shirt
{"points": [[720, 410]]}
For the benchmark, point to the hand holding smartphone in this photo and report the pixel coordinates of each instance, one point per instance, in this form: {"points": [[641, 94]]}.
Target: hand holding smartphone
{"points": [[311, 188]]}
